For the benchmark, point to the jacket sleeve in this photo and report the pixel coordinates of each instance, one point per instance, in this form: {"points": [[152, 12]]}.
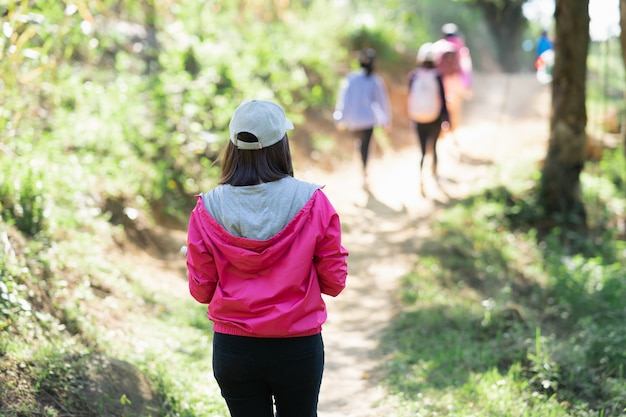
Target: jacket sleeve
{"points": [[330, 257], [410, 78], [202, 272], [382, 98], [341, 99]]}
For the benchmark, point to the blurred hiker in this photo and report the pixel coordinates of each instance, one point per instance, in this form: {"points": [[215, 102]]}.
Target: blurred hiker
{"points": [[544, 43], [363, 104], [454, 62], [544, 58], [262, 248], [427, 105]]}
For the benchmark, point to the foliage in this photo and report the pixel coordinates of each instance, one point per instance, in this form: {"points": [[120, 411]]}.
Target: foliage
{"points": [[23, 202], [498, 318], [605, 87]]}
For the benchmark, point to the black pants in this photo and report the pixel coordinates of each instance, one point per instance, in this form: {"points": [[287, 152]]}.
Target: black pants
{"points": [[365, 136], [428, 133], [251, 372]]}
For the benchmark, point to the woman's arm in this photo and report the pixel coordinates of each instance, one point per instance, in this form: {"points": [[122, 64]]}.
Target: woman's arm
{"points": [[201, 269], [330, 257]]}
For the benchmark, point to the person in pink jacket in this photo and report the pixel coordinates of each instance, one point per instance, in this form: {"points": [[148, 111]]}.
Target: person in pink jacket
{"points": [[454, 62], [262, 248]]}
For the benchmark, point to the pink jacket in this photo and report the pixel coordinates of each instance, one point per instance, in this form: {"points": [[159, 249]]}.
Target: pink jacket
{"points": [[268, 288]]}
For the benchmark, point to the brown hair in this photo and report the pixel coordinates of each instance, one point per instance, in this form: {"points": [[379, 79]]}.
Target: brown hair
{"points": [[249, 167], [366, 60]]}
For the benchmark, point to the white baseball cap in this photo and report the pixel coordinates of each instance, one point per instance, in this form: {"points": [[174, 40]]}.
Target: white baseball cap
{"points": [[263, 118], [426, 53]]}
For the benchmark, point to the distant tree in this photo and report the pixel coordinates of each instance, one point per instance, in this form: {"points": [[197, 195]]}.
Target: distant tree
{"points": [[560, 191], [506, 22]]}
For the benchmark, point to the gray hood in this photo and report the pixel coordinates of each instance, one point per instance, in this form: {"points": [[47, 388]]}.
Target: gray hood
{"points": [[258, 211]]}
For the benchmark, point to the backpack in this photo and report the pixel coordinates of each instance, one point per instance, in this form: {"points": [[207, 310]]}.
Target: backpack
{"points": [[424, 102], [448, 59], [449, 63]]}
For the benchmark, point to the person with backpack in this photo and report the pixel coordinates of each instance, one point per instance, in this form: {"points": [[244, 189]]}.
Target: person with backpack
{"points": [[454, 62], [262, 249], [427, 105], [362, 104]]}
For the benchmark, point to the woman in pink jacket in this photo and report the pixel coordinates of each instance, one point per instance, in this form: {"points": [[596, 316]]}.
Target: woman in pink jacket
{"points": [[262, 248]]}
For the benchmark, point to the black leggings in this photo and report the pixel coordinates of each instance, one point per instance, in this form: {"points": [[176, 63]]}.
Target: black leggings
{"points": [[365, 136], [428, 133], [251, 372]]}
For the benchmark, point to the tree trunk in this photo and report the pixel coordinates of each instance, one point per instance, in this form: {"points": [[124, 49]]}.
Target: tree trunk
{"points": [[560, 182], [506, 22], [622, 37]]}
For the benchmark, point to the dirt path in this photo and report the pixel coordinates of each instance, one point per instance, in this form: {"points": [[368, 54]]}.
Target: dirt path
{"points": [[505, 122]]}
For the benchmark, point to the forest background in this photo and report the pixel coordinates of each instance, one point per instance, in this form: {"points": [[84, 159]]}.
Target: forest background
{"points": [[113, 114]]}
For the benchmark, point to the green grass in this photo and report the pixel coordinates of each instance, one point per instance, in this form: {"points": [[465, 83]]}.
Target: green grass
{"points": [[500, 319], [175, 348], [47, 355]]}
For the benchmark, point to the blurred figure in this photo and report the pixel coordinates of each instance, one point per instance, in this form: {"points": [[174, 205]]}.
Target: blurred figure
{"points": [[544, 58], [427, 105], [544, 43], [363, 104], [454, 62]]}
